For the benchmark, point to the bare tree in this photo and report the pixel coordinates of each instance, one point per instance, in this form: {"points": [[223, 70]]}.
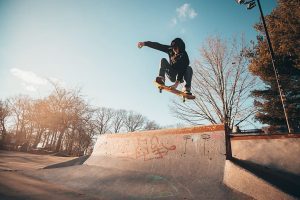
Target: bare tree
{"points": [[221, 84], [20, 106], [78, 134], [134, 121], [151, 125], [67, 106], [4, 114], [118, 120], [64, 122], [103, 119], [40, 116]]}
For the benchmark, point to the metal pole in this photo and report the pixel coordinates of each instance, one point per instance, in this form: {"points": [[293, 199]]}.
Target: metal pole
{"points": [[274, 68], [227, 139]]}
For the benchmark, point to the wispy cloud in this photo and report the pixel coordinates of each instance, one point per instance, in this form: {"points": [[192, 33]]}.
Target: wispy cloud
{"points": [[183, 13], [186, 12], [28, 76], [30, 80], [30, 88]]}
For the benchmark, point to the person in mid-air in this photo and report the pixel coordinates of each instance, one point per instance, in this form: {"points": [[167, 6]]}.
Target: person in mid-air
{"points": [[177, 69]]}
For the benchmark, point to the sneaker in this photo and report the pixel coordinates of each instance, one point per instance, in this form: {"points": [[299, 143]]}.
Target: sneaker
{"points": [[187, 90], [160, 80]]}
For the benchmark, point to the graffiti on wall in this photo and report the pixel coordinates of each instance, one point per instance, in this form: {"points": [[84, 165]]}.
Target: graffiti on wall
{"points": [[152, 148], [186, 138], [156, 147]]}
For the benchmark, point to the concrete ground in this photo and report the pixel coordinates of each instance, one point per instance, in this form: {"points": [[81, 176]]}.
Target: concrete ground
{"points": [[15, 184], [16, 161], [22, 177]]}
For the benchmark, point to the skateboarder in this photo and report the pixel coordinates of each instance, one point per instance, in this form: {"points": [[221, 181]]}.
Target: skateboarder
{"points": [[177, 68]]}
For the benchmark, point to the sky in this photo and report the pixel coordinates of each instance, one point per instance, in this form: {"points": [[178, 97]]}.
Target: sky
{"points": [[92, 45]]}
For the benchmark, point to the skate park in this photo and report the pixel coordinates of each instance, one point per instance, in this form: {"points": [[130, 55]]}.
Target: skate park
{"points": [[186, 163], [80, 117]]}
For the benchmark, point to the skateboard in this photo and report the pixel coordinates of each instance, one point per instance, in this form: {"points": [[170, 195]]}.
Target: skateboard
{"points": [[174, 91]]}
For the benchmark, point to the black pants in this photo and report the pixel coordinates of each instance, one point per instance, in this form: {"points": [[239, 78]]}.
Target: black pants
{"points": [[166, 69]]}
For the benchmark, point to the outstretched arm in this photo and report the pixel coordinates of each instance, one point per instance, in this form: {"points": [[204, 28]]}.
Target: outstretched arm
{"points": [[155, 45]]}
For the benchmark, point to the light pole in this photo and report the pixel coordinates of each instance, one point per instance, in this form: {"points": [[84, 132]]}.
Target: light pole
{"points": [[251, 4]]}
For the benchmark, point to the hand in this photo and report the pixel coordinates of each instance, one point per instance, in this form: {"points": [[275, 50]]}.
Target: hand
{"points": [[173, 87], [141, 44]]}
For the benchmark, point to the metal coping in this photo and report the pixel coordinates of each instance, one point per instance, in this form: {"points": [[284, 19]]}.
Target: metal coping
{"points": [[258, 137], [173, 131]]}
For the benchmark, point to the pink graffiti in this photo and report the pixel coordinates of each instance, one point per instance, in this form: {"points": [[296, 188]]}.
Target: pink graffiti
{"points": [[152, 148]]}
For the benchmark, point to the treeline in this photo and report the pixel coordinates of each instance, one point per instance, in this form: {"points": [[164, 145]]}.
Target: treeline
{"points": [[62, 122]]}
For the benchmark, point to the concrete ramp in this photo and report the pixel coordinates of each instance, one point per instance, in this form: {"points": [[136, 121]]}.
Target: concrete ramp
{"points": [[171, 164], [265, 163], [279, 152], [197, 152], [185, 163]]}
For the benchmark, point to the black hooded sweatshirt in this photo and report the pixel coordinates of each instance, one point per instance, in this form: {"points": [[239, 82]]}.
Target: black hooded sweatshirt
{"points": [[178, 62]]}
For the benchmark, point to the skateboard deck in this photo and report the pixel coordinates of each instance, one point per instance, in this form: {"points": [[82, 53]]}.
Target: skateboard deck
{"points": [[174, 91]]}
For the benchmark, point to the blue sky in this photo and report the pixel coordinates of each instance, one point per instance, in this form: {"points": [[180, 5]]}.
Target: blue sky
{"points": [[92, 44]]}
